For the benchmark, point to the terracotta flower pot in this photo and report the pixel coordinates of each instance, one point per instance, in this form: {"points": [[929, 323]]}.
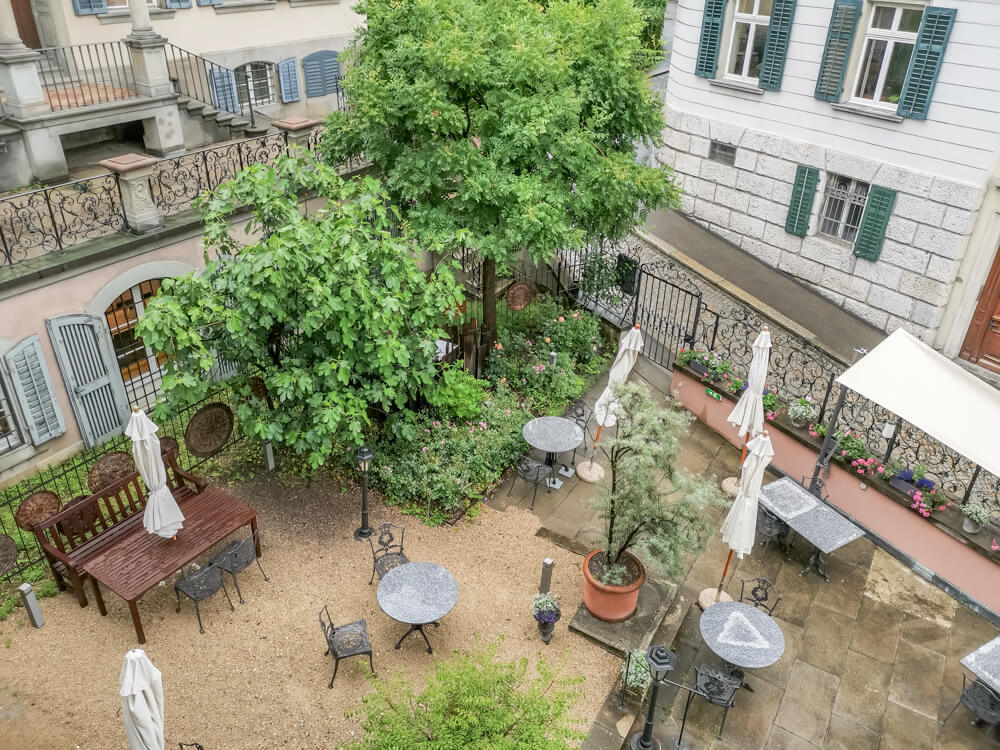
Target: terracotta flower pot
{"points": [[610, 603]]}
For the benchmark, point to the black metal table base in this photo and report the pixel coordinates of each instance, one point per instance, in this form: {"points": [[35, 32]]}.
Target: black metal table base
{"points": [[421, 629], [816, 561]]}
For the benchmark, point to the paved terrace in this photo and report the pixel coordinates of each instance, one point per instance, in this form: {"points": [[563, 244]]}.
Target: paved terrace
{"points": [[871, 658]]}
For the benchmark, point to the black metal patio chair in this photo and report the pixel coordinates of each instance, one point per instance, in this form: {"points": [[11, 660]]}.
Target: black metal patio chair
{"points": [[769, 527], [714, 686], [532, 471], [980, 699], [762, 594], [389, 552], [343, 641], [580, 412], [199, 586], [237, 557]]}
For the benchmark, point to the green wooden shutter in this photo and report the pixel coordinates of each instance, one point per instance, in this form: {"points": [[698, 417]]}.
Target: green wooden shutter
{"points": [[801, 204], [925, 63], [871, 233], [711, 37], [772, 67], [839, 37], [32, 384]]}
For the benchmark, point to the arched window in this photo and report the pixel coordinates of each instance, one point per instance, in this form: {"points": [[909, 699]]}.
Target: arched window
{"points": [[139, 365], [255, 83]]}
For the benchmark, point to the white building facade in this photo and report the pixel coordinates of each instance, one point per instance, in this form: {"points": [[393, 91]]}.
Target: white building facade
{"points": [[849, 143]]}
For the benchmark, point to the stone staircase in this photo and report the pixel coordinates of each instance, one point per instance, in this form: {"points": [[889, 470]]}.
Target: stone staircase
{"points": [[238, 125]]}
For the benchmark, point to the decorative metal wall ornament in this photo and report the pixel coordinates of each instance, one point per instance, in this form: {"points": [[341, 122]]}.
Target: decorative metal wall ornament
{"points": [[209, 430], [35, 509], [108, 469], [519, 295], [8, 553]]}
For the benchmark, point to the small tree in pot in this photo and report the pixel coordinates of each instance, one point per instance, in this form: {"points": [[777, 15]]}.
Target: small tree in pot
{"points": [[637, 515]]}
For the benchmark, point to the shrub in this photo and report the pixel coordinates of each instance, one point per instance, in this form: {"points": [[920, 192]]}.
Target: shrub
{"points": [[635, 672], [545, 388], [548, 326], [458, 394], [976, 512]]}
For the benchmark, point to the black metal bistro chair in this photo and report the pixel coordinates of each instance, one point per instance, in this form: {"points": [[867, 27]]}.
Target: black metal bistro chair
{"points": [[769, 526], [580, 412], [980, 699], [237, 557], [343, 641], [389, 552], [532, 471], [761, 594], [199, 586], [715, 687]]}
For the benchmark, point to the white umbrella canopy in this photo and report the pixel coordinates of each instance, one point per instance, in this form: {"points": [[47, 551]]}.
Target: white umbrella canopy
{"points": [[740, 527], [141, 690], [163, 516], [748, 414], [628, 353]]}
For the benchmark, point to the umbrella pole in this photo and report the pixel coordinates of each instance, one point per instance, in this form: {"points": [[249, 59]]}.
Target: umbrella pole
{"points": [[725, 570]]}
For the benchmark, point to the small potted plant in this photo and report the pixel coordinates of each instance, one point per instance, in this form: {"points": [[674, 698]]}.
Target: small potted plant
{"points": [[976, 515], [801, 411], [635, 677], [904, 481], [545, 609]]}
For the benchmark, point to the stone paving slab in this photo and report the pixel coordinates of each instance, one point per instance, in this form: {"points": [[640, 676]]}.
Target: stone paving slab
{"points": [[637, 631], [808, 699]]}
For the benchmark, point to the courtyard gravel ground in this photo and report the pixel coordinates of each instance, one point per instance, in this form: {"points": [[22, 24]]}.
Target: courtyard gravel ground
{"points": [[257, 677]]}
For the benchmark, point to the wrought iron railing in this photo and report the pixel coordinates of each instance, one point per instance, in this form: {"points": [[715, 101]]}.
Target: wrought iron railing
{"points": [[175, 183], [82, 75], [55, 218], [209, 83]]}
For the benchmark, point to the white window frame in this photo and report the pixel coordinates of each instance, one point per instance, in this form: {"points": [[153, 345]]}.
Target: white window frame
{"points": [[851, 196], [15, 438], [154, 371], [891, 37], [248, 84], [759, 24], [123, 4]]}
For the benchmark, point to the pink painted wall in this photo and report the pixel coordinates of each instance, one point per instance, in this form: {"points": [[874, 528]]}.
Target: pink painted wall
{"points": [[963, 567]]}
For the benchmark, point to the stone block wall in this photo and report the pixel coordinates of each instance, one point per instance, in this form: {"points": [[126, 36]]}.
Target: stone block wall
{"points": [[747, 203]]}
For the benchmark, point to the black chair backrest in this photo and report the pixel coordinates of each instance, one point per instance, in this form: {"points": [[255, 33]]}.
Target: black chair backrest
{"points": [[531, 470], [579, 411], [385, 542], [243, 554], [327, 626], [716, 687], [762, 594], [203, 583]]}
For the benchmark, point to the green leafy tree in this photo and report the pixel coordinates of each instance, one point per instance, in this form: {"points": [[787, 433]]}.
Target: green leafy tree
{"points": [[324, 316], [474, 701], [637, 516], [504, 125]]}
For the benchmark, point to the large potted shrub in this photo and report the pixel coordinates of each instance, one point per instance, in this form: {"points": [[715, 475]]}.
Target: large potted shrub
{"points": [[656, 520]]}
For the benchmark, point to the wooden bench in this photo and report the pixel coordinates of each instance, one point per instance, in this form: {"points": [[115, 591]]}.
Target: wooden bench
{"points": [[87, 527]]}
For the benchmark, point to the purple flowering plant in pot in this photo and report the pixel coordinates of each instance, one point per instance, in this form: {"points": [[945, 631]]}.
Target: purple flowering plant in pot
{"points": [[545, 610]]}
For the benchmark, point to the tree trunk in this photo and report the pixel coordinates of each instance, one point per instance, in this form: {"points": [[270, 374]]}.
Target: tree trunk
{"points": [[489, 330]]}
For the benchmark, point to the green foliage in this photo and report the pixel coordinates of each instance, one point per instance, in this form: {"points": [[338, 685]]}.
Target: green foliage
{"points": [[446, 465], [7, 604], [636, 517], [548, 326], [458, 394], [546, 602], [328, 310], [635, 672], [474, 701], [652, 13], [977, 512], [545, 389], [801, 410], [503, 125], [850, 447]]}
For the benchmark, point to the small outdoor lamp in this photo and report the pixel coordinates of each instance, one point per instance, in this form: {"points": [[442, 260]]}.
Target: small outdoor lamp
{"points": [[552, 359], [661, 662], [364, 458]]}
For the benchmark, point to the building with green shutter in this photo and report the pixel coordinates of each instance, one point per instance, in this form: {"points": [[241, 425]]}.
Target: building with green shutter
{"points": [[852, 144]]}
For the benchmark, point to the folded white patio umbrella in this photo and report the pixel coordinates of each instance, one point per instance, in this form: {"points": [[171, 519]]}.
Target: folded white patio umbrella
{"points": [[740, 527], [162, 516], [142, 702], [604, 410], [748, 414]]}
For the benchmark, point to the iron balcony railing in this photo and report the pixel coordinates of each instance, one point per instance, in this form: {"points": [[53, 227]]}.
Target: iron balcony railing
{"points": [[82, 75], [209, 83]]}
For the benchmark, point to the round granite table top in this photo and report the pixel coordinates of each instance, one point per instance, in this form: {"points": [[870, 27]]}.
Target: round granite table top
{"points": [[553, 434], [742, 634], [417, 593]]}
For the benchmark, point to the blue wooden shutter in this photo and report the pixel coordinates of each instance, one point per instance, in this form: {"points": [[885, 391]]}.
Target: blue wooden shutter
{"points": [[89, 7], [288, 80], [90, 372], [321, 71], [925, 62], [209, 2], [331, 73], [32, 385], [871, 233], [178, 3], [839, 37], [800, 206], [711, 38], [772, 67], [224, 89]]}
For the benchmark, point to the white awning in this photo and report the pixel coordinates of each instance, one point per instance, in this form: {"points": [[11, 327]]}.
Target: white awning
{"points": [[933, 394]]}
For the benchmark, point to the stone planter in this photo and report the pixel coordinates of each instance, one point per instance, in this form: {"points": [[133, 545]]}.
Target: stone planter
{"points": [[702, 370], [969, 526], [610, 603]]}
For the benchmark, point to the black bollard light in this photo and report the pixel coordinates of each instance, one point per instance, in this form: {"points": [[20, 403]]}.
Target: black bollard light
{"points": [[364, 457], [661, 662]]}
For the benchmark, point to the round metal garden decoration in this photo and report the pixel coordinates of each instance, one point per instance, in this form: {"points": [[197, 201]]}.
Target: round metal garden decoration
{"points": [[209, 430]]}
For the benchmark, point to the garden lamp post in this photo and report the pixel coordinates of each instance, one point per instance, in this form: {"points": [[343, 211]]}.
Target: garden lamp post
{"points": [[661, 661], [364, 458]]}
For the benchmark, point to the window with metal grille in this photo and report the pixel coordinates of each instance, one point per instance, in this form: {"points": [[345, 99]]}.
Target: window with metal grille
{"points": [[750, 22], [889, 42], [124, 3], [255, 83], [139, 365], [843, 206], [722, 153], [10, 436]]}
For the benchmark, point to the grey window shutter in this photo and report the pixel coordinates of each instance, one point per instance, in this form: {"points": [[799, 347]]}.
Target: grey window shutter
{"points": [[89, 7], [288, 80], [224, 89], [840, 35], [772, 67], [711, 38], [209, 2], [800, 206], [178, 3], [321, 71], [925, 62], [90, 371], [32, 384]]}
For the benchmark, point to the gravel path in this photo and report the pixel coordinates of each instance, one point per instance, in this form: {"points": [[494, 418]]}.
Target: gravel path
{"points": [[257, 677]]}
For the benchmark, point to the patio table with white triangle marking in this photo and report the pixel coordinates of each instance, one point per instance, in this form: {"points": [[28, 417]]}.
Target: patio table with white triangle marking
{"points": [[742, 635]]}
